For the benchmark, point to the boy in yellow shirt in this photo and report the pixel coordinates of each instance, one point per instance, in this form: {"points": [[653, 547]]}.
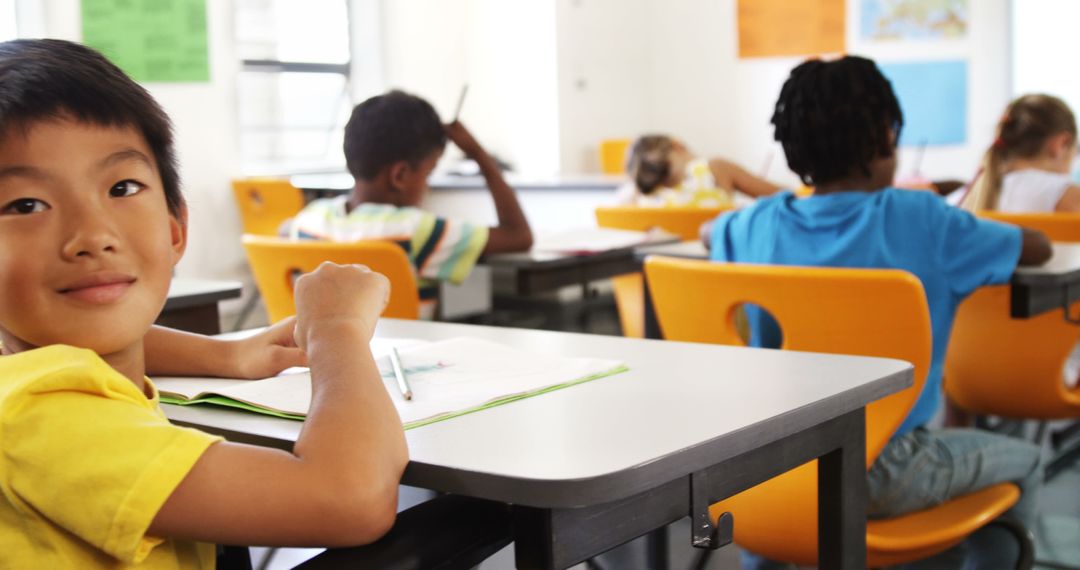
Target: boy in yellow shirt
{"points": [[91, 473]]}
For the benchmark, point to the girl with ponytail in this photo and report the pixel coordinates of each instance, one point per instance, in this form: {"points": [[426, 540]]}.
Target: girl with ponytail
{"points": [[1027, 167]]}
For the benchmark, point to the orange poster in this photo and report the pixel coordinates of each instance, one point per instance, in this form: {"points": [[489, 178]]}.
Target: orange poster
{"points": [[770, 28]]}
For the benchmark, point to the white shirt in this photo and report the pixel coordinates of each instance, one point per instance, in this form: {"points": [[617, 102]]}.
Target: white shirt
{"points": [[1032, 190]]}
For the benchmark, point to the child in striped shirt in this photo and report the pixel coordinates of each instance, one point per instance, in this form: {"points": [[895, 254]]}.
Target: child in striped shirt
{"points": [[392, 143]]}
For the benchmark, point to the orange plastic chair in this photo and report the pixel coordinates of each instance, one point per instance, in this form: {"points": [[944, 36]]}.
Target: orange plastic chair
{"points": [[872, 312], [613, 155], [276, 262], [265, 203], [997, 365], [1058, 227], [684, 222]]}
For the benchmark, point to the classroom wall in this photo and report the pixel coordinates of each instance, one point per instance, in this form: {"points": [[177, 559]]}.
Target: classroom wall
{"points": [[605, 70], [1039, 30], [673, 67], [206, 141], [505, 51]]}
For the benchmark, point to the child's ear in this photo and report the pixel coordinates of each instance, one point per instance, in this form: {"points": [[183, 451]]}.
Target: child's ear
{"points": [[178, 233], [399, 175], [1059, 144]]}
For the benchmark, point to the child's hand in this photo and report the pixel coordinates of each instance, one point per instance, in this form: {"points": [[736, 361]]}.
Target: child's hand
{"points": [[460, 136], [339, 294], [268, 352]]}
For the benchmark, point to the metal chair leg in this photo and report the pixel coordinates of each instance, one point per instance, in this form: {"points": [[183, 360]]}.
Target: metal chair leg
{"points": [[1061, 462], [1023, 536]]}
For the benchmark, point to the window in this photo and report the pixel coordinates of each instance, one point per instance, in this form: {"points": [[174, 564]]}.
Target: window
{"points": [[294, 84]]}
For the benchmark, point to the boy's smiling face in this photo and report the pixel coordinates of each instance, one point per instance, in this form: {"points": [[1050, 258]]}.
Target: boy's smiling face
{"points": [[87, 244]]}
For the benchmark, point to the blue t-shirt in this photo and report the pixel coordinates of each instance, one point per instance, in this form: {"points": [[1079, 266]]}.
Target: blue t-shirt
{"points": [[949, 250]]}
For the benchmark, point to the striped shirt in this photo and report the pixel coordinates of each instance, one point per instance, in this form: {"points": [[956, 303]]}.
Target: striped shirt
{"points": [[440, 249]]}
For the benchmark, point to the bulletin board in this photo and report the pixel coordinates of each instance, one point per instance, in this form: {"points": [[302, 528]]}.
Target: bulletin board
{"points": [[151, 40], [772, 28]]}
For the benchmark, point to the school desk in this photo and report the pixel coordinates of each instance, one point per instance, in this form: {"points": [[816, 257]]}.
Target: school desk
{"points": [[192, 304], [1055, 284], [1034, 290], [323, 184], [589, 467]]}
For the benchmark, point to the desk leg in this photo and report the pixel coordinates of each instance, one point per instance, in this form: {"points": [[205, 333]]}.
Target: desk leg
{"points": [[842, 496], [652, 324]]}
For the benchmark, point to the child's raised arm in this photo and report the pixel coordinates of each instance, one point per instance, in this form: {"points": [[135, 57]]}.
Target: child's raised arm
{"points": [[512, 232], [732, 176], [171, 352], [338, 487]]}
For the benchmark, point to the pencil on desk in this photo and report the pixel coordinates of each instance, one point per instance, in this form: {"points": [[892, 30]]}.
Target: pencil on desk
{"points": [[399, 374]]}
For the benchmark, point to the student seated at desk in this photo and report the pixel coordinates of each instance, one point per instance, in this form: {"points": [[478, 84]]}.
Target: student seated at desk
{"points": [[92, 222], [855, 219], [663, 172], [1027, 168], [392, 144]]}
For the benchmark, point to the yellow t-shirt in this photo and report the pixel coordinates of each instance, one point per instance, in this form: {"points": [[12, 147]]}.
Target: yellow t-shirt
{"points": [[87, 461]]}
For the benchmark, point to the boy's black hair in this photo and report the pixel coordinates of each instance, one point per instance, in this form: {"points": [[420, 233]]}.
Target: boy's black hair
{"points": [[390, 128], [833, 118], [43, 80]]}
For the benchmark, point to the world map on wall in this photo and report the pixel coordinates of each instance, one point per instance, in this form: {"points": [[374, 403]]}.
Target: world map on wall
{"points": [[889, 20]]}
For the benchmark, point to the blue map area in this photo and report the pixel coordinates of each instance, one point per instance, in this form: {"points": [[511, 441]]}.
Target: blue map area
{"points": [[934, 99]]}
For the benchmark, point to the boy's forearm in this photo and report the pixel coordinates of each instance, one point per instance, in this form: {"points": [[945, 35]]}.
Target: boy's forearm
{"points": [[172, 352], [1035, 248], [349, 403], [507, 208]]}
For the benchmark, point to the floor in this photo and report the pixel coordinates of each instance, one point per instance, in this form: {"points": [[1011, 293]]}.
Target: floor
{"points": [[1057, 536]]}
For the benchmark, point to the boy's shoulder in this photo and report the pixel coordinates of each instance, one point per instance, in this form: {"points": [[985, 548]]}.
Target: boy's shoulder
{"points": [[56, 368]]}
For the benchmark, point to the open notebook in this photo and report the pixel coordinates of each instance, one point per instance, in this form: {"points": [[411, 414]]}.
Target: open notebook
{"points": [[448, 378]]}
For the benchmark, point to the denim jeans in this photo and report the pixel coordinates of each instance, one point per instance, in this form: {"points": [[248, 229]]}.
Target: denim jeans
{"points": [[924, 468]]}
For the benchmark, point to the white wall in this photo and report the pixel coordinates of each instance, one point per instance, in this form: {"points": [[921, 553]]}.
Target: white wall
{"points": [[1040, 29], [505, 51], [624, 67], [673, 67], [605, 75], [203, 116]]}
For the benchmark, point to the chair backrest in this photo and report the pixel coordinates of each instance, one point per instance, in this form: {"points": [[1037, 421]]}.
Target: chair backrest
{"points": [[683, 221], [870, 312], [1002, 366], [873, 312], [265, 203], [613, 155], [1057, 226], [276, 263]]}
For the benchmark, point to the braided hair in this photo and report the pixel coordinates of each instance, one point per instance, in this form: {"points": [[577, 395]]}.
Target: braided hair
{"points": [[833, 118]]}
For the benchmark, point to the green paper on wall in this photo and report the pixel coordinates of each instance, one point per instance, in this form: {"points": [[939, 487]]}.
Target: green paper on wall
{"points": [[151, 40]]}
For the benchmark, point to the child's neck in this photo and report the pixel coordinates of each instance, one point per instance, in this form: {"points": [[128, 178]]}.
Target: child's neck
{"points": [[373, 191], [1041, 162], [131, 362], [855, 183]]}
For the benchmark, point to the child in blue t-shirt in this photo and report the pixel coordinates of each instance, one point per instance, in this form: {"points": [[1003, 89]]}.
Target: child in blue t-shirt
{"points": [[838, 122]]}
